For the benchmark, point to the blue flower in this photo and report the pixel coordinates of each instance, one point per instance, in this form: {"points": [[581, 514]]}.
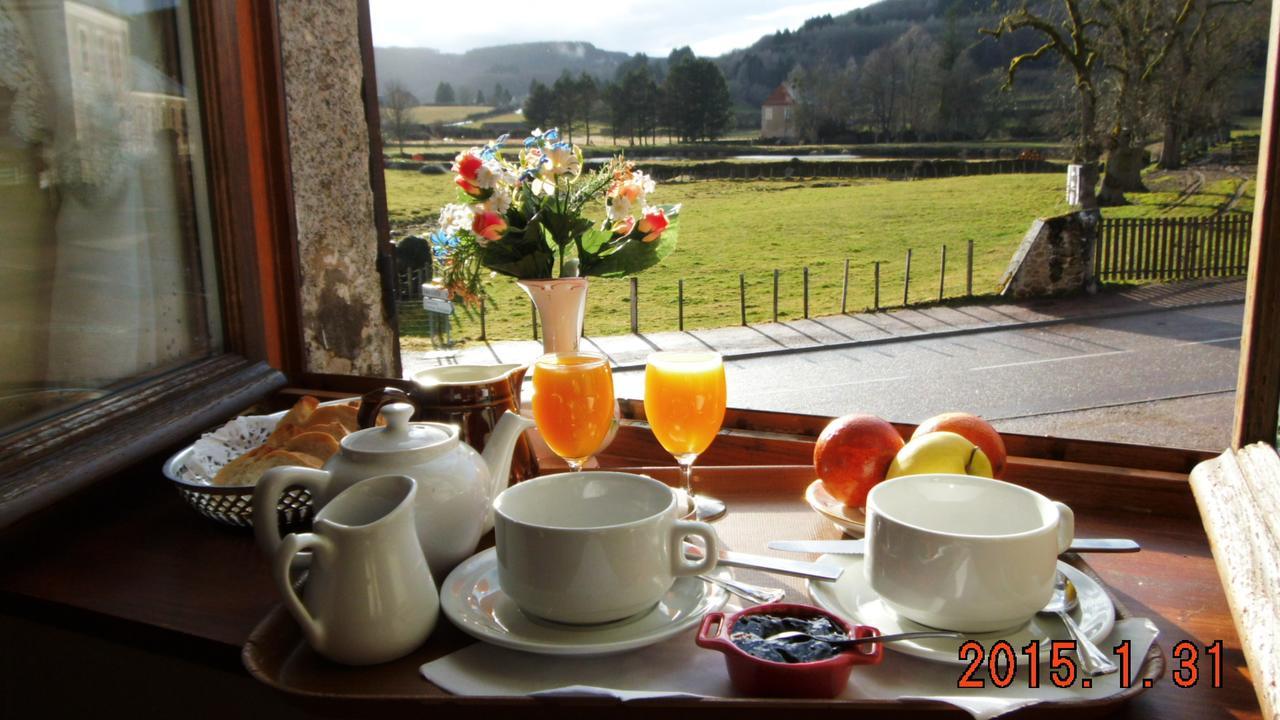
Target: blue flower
{"points": [[443, 245], [552, 135]]}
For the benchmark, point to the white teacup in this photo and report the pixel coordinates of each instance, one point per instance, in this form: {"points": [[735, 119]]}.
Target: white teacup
{"points": [[964, 553], [592, 547]]}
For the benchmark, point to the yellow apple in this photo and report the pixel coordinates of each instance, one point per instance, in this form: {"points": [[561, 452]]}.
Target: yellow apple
{"points": [[940, 452]]}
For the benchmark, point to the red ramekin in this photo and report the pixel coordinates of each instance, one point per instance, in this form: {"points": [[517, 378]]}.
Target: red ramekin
{"points": [[756, 677]]}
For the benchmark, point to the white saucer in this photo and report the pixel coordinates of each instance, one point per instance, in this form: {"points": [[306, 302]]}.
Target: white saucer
{"points": [[851, 521], [852, 597], [472, 599]]}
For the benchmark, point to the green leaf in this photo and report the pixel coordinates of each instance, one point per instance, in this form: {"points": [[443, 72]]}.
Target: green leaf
{"points": [[594, 240], [633, 256]]}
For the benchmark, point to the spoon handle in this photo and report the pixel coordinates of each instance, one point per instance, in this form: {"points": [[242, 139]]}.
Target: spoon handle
{"points": [[1092, 660], [899, 636]]}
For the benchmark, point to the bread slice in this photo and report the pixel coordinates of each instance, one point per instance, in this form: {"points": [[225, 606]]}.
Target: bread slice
{"points": [[344, 415], [319, 445], [297, 416], [245, 470]]}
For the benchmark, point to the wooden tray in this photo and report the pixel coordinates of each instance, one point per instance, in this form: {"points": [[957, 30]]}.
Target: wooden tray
{"points": [[765, 502]]}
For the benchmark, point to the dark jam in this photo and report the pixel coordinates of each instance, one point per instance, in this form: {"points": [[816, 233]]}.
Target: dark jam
{"points": [[749, 633]]}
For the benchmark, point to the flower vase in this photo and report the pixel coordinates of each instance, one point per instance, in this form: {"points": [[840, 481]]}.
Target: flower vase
{"points": [[562, 305]]}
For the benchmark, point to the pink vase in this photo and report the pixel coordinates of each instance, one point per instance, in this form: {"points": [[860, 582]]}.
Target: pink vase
{"points": [[561, 304]]}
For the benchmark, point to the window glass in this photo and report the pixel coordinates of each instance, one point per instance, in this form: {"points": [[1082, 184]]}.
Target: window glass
{"points": [[106, 265], [965, 218]]}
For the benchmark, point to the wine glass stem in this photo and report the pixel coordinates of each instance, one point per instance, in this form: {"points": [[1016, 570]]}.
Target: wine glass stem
{"points": [[686, 475]]}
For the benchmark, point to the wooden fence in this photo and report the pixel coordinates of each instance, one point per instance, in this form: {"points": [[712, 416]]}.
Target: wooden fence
{"points": [[1172, 248]]}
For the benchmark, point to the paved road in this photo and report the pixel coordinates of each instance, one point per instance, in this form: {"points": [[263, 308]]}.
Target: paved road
{"points": [[1009, 373]]}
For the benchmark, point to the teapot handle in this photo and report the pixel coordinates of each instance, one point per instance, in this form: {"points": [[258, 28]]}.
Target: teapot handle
{"points": [[371, 404], [293, 544], [266, 497]]}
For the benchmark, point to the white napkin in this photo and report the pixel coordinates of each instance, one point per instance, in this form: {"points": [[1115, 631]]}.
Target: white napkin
{"points": [[677, 667]]}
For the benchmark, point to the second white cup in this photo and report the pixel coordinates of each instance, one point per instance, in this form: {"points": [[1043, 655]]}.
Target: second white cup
{"points": [[593, 547], [964, 553]]}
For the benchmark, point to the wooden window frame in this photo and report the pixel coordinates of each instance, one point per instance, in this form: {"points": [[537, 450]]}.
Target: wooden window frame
{"points": [[241, 88]]}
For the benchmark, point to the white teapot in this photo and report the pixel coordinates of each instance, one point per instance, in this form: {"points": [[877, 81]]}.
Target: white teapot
{"points": [[456, 485]]}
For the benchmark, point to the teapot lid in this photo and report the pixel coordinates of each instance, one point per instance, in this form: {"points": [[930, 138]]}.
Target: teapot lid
{"points": [[399, 435]]}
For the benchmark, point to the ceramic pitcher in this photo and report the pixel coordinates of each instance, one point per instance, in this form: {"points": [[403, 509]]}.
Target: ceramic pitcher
{"points": [[369, 597], [473, 397]]}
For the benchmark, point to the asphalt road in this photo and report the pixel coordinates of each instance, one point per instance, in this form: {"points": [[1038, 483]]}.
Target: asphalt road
{"points": [[999, 374]]}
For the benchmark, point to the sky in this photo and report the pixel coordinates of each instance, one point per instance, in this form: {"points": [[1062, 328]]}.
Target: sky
{"points": [[654, 27]]}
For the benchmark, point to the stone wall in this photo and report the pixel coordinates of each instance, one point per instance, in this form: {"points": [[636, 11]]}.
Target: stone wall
{"points": [[345, 326], [1055, 258]]}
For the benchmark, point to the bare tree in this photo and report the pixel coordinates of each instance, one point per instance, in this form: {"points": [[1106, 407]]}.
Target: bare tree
{"points": [[1075, 40], [881, 87], [1192, 87], [396, 105]]}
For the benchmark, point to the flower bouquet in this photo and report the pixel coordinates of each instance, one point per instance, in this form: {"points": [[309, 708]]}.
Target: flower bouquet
{"points": [[526, 219]]}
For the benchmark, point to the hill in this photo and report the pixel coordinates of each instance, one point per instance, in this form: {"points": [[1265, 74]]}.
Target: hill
{"points": [[512, 66]]}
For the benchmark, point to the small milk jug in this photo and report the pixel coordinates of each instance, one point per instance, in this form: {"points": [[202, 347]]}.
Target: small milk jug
{"points": [[369, 597]]}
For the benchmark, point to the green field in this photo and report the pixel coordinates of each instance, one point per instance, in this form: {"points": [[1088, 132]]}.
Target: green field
{"points": [[754, 227], [430, 114]]}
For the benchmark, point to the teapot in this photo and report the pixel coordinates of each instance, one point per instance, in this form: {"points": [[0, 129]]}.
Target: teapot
{"points": [[473, 397], [456, 485]]}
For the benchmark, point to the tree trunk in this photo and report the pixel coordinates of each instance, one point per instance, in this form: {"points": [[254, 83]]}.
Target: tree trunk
{"points": [[1171, 150], [1124, 172]]}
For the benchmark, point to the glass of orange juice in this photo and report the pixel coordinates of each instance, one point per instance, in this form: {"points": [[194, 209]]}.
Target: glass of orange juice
{"points": [[573, 404], [684, 399]]}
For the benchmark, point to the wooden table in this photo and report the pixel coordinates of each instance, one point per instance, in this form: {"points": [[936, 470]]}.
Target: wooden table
{"points": [[163, 600]]}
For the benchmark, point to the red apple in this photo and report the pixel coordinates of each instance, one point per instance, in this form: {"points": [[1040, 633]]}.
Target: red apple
{"points": [[852, 455], [975, 430]]}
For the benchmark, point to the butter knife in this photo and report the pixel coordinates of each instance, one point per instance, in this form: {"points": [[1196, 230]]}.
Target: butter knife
{"points": [[798, 568], [858, 547]]}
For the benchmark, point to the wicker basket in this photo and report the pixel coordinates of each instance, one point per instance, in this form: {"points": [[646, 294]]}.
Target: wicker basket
{"points": [[234, 505]]}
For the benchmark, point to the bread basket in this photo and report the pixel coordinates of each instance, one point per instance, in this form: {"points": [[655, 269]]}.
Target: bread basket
{"points": [[191, 470]]}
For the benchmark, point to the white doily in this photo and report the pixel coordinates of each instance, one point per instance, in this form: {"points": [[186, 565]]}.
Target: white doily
{"points": [[215, 449]]}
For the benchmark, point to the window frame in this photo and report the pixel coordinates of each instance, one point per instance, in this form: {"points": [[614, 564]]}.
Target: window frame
{"points": [[243, 128]]}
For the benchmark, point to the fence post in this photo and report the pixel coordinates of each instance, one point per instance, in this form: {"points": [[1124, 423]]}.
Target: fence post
{"points": [[635, 304], [680, 301], [483, 333], [877, 295], [942, 275], [742, 297], [844, 294], [533, 313], [906, 282], [968, 274], [775, 295], [806, 292]]}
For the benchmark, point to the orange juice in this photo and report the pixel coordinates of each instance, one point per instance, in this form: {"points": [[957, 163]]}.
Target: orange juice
{"points": [[573, 403], [684, 399]]}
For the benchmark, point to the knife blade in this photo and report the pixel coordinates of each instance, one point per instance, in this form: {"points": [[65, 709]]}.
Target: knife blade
{"points": [[858, 547], [797, 568]]}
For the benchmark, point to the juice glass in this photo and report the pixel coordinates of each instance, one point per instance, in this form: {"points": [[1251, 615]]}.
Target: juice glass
{"points": [[573, 404], [684, 400]]}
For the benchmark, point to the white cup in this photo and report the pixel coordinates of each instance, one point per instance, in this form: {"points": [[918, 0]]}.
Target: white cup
{"points": [[964, 553], [593, 547]]}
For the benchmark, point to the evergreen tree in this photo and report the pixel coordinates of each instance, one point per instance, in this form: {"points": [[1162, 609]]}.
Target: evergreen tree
{"points": [[539, 107], [588, 94], [445, 94]]}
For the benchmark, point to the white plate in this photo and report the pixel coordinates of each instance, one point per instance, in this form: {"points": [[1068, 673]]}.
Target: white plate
{"points": [[852, 597], [852, 521], [472, 600]]}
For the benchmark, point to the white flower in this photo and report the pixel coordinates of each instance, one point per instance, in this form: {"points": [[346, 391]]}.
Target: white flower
{"points": [[542, 186], [499, 201], [563, 160], [618, 207], [455, 218]]}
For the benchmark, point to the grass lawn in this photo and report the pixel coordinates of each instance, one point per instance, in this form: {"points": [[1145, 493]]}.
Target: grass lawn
{"points": [[429, 114], [732, 227]]}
